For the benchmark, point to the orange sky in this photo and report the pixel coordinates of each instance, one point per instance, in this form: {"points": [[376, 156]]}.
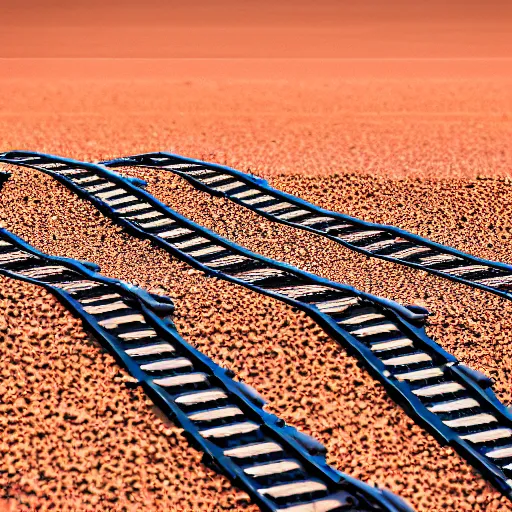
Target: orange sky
{"points": [[256, 28]]}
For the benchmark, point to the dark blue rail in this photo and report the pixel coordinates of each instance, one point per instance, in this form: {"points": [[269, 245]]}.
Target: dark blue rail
{"points": [[100, 302], [454, 403], [374, 240]]}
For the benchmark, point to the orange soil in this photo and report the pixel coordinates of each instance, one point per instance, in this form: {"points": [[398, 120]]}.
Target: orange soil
{"points": [[433, 118], [396, 141]]}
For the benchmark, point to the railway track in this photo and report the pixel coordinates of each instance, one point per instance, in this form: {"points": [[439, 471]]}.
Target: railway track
{"points": [[280, 468], [454, 403], [374, 240]]}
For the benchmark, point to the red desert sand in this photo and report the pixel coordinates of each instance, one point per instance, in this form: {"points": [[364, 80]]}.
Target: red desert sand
{"points": [[423, 145]]}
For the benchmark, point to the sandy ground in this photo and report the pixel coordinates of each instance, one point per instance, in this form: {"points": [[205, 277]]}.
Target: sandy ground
{"points": [[396, 118], [422, 146]]}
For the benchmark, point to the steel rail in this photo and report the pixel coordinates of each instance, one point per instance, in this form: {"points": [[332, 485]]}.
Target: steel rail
{"points": [[280, 468], [454, 403], [373, 240]]}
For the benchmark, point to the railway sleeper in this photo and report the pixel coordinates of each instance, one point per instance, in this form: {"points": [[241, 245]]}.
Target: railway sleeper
{"points": [[407, 380], [258, 452], [375, 240]]}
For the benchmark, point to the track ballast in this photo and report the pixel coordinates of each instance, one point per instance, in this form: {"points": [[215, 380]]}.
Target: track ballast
{"points": [[453, 402], [374, 240], [281, 468]]}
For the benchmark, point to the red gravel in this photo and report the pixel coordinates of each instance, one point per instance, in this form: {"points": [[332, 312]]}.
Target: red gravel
{"points": [[342, 135]]}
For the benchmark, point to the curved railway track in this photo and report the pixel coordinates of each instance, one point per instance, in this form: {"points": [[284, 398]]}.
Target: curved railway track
{"points": [[454, 403], [374, 240], [280, 468]]}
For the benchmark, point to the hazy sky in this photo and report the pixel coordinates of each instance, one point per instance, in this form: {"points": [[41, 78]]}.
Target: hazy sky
{"points": [[256, 28]]}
